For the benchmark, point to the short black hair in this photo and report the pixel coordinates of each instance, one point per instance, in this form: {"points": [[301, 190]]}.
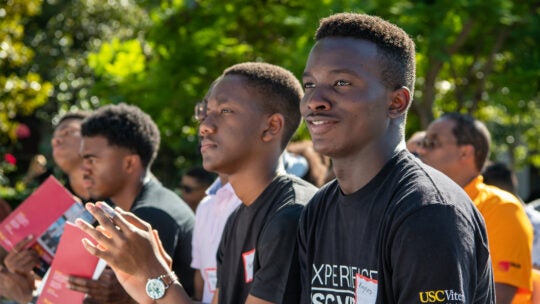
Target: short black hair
{"points": [[125, 126], [470, 131], [201, 175], [279, 90], [396, 50], [78, 115]]}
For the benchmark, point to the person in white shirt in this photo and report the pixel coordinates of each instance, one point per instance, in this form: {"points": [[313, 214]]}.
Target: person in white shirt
{"points": [[210, 219]]}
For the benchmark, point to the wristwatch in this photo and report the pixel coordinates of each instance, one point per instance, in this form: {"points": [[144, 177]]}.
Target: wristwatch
{"points": [[156, 287]]}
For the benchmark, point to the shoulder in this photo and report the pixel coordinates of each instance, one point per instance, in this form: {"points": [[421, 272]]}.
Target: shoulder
{"points": [[160, 206], [205, 205], [287, 190], [421, 185], [495, 202]]}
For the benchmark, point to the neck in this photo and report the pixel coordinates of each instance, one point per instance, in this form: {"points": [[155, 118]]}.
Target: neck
{"points": [[465, 179], [126, 196], [250, 183], [354, 171]]}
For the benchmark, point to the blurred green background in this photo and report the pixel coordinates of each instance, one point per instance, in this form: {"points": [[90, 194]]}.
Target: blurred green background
{"points": [[475, 56]]}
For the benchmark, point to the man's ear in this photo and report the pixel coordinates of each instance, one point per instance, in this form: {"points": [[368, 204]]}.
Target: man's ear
{"points": [[132, 162], [466, 151], [401, 99], [273, 127]]}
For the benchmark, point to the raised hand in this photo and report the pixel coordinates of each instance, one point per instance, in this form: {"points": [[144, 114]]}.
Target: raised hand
{"points": [[129, 246]]}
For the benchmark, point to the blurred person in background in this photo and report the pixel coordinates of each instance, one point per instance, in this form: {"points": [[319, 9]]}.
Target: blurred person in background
{"points": [[66, 142], [458, 145], [414, 143], [193, 185]]}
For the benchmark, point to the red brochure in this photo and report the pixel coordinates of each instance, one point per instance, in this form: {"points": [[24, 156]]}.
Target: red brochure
{"points": [[71, 259], [43, 214]]}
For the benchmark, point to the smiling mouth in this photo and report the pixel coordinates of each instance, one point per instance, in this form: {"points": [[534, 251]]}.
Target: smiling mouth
{"points": [[319, 122], [206, 146]]}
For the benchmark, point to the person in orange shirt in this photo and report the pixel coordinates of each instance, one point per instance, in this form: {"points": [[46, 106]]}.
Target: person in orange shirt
{"points": [[458, 145]]}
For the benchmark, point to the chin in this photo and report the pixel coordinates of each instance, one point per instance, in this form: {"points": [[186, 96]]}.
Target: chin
{"points": [[211, 166], [324, 148]]}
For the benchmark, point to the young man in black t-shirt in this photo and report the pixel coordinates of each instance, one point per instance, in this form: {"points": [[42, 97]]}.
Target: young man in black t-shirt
{"points": [[246, 121], [388, 229]]}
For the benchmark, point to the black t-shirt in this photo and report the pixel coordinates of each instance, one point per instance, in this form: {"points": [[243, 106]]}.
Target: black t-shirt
{"points": [[174, 221], [257, 254], [411, 235]]}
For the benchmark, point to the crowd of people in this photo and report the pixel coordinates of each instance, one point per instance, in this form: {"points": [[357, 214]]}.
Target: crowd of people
{"points": [[354, 215]]}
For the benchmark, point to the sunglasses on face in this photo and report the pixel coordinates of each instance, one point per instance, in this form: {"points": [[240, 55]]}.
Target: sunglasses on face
{"points": [[432, 144], [200, 111], [187, 189], [66, 132]]}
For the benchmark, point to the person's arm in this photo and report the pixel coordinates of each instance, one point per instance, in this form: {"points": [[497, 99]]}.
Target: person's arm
{"points": [[435, 240], [504, 293], [133, 250], [277, 276], [216, 297], [198, 284], [318, 164], [254, 300], [509, 244]]}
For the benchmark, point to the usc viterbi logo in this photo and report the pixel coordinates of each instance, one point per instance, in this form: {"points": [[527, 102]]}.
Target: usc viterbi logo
{"points": [[440, 296]]}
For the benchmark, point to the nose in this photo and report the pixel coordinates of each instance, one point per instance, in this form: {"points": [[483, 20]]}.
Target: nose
{"points": [[206, 126], [55, 140], [315, 100], [422, 152]]}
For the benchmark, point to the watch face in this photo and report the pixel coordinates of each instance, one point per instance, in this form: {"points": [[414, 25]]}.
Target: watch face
{"points": [[155, 289]]}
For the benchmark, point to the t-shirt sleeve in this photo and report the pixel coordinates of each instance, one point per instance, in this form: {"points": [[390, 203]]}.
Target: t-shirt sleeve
{"points": [[510, 239], [221, 250], [276, 250], [435, 256]]}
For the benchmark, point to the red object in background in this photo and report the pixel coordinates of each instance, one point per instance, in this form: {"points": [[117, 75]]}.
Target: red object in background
{"points": [[22, 131], [8, 157]]}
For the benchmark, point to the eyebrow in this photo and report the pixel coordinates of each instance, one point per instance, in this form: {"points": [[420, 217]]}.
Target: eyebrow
{"points": [[337, 72], [87, 155]]}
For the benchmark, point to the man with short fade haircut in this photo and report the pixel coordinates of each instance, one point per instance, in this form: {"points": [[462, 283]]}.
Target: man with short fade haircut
{"points": [[458, 146], [389, 229], [119, 145], [251, 114], [246, 121]]}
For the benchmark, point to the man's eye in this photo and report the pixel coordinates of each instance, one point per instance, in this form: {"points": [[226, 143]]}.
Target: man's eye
{"points": [[342, 83], [223, 111], [309, 85]]}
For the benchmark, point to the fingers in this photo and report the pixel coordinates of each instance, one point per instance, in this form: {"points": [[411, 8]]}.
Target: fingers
{"points": [[93, 288], [23, 243], [130, 218], [106, 289], [101, 216], [21, 260], [112, 220], [103, 241], [162, 251]]}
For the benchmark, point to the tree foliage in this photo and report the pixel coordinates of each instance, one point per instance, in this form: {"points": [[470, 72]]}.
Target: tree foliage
{"points": [[22, 91], [473, 56]]}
